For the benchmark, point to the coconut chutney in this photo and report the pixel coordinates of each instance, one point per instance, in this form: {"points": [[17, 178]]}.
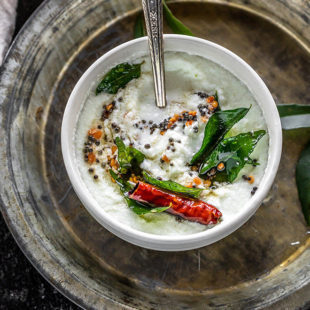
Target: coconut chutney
{"points": [[168, 146]]}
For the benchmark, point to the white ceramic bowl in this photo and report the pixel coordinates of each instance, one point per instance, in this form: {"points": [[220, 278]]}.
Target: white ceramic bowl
{"points": [[193, 46]]}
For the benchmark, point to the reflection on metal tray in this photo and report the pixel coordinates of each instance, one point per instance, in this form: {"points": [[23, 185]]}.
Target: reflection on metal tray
{"points": [[263, 263]]}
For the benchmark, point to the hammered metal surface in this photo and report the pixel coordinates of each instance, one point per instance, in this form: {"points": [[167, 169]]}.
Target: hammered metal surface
{"points": [[261, 263]]}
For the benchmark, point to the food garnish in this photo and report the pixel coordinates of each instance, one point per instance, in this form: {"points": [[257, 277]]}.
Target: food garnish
{"points": [[129, 158], [95, 133], [118, 77], [135, 206], [233, 153], [172, 186], [217, 127], [188, 208]]}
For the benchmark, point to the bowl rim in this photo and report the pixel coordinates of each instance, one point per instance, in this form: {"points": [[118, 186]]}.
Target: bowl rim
{"points": [[163, 242]]}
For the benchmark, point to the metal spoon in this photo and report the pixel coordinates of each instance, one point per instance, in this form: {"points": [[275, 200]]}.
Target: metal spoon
{"points": [[153, 14]]}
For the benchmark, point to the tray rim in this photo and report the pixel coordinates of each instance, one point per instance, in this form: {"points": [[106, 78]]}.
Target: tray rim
{"points": [[24, 241]]}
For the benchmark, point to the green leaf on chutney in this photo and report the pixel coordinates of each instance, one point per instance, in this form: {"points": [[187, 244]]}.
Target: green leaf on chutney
{"points": [[173, 186], [216, 97], [303, 181], [234, 153], [175, 24], [159, 209], [118, 77], [135, 206], [125, 186], [128, 157], [217, 127]]}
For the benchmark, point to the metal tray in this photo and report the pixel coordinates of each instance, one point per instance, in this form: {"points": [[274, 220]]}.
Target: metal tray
{"points": [[264, 264]]}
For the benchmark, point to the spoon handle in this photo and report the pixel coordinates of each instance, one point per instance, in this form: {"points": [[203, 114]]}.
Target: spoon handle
{"points": [[153, 14]]}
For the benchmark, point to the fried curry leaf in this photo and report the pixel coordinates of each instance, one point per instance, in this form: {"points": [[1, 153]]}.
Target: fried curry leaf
{"points": [[175, 24], [216, 96], [303, 182], [139, 27], [118, 77], [172, 186], [217, 127], [135, 155], [128, 158], [159, 209], [135, 206], [125, 186], [234, 153], [122, 156]]}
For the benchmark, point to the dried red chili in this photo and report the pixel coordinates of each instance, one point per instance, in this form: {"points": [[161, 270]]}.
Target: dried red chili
{"points": [[190, 209]]}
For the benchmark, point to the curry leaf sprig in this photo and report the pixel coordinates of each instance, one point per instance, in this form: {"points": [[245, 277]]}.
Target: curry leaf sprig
{"points": [[217, 127], [135, 206], [129, 158], [231, 153], [234, 153]]}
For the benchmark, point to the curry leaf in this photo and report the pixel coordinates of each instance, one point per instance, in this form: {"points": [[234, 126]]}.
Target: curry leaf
{"points": [[139, 27], [135, 206], [216, 96], [128, 157], [234, 153], [303, 182], [118, 77], [175, 24], [122, 156], [135, 155], [159, 209], [124, 185], [172, 186], [293, 109], [217, 127]]}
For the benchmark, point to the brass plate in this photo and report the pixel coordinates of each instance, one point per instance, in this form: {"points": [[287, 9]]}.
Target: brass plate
{"points": [[261, 264]]}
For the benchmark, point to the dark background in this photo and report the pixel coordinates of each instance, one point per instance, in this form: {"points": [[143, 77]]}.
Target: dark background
{"points": [[21, 286]]}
